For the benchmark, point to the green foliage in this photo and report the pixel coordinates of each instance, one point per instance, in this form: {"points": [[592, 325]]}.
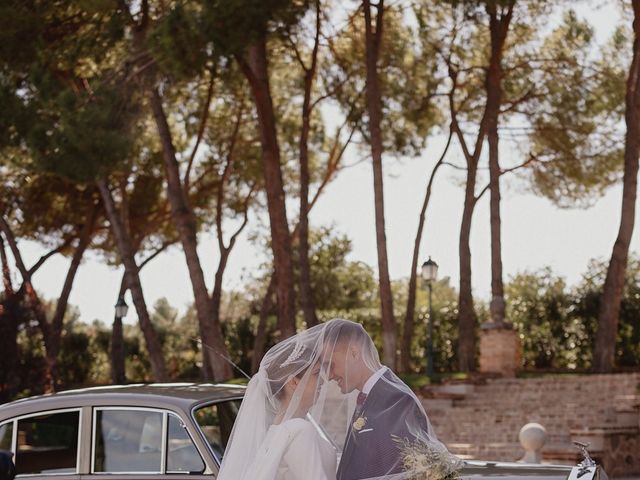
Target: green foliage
{"points": [[239, 333], [192, 35], [445, 330], [178, 42], [540, 308], [336, 282], [62, 104], [576, 139], [408, 81], [83, 137], [587, 305], [24, 192], [231, 26], [68, 30], [557, 324], [178, 337]]}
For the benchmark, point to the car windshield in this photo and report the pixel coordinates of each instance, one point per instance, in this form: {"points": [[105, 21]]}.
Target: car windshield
{"points": [[216, 421]]}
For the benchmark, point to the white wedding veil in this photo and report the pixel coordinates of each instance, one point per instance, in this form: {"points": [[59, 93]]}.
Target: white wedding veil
{"points": [[331, 376]]}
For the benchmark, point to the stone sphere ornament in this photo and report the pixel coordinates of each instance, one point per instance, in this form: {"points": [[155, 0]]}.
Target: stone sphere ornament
{"points": [[532, 438]]}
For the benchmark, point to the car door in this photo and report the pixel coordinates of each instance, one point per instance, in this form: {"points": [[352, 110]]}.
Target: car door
{"points": [[46, 445], [142, 443]]}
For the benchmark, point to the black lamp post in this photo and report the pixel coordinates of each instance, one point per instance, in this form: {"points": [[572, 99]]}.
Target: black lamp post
{"points": [[117, 347], [429, 275]]}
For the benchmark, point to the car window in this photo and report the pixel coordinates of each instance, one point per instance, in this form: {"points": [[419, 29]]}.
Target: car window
{"points": [[182, 455], [128, 441], [48, 443], [6, 436], [216, 421]]}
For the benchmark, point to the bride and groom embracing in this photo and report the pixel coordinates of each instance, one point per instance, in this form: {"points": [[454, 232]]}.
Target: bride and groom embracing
{"points": [[322, 407]]}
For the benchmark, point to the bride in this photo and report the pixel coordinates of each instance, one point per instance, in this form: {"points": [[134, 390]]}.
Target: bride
{"points": [[273, 437]]}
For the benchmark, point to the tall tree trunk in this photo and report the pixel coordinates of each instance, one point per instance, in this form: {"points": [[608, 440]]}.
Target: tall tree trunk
{"points": [[267, 304], [123, 241], [409, 319], [118, 375], [254, 66], [185, 222], [466, 348], [498, 27], [466, 312], [55, 332], [307, 302], [30, 295], [604, 352], [373, 38], [306, 294], [6, 272], [216, 295], [9, 379], [260, 341], [9, 351], [225, 250]]}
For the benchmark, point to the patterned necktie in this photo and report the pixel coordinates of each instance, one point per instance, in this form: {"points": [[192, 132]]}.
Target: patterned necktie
{"points": [[359, 403]]}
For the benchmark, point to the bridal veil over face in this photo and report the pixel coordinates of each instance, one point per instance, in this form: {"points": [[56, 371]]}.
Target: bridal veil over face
{"points": [[331, 376]]}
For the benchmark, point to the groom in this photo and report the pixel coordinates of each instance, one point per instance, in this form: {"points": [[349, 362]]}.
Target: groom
{"points": [[386, 409]]}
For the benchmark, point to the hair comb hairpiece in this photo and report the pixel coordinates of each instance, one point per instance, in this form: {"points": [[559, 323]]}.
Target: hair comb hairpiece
{"points": [[295, 354]]}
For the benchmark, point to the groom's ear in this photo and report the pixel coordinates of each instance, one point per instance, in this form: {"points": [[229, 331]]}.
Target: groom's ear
{"points": [[354, 352]]}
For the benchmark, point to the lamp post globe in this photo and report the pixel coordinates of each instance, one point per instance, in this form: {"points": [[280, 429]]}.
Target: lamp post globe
{"points": [[121, 308], [429, 274], [429, 270]]}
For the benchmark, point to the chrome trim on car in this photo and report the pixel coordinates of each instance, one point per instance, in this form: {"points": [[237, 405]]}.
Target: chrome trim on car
{"points": [[85, 439], [38, 414], [93, 440], [164, 443], [202, 435], [92, 450], [14, 435], [195, 445]]}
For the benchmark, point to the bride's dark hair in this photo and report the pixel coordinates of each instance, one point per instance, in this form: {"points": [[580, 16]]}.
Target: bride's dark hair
{"points": [[293, 361]]}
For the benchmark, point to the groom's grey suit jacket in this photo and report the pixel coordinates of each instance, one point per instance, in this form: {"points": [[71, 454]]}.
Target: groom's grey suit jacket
{"points": [[372, 451]]}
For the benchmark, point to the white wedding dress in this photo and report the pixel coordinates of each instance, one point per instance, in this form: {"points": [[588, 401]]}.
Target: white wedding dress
{"points": [[294, 450]]}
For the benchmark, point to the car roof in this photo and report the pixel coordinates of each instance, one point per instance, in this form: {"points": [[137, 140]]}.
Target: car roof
{"points": [[172, 396]]}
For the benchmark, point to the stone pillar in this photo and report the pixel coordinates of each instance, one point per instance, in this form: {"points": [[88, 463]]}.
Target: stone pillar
{"points": [[500, 349]]}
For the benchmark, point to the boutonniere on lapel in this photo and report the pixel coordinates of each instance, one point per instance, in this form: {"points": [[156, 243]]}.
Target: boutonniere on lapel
{"points": [[359, 423]]}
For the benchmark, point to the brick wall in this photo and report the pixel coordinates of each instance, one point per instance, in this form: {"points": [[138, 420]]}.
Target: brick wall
{"points": [[483, 420]]}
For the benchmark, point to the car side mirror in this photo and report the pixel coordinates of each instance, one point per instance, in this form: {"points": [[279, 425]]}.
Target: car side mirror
{"points": [[7, 468]]}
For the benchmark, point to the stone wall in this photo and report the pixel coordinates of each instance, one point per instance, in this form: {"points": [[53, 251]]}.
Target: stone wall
{"points": [[482, 420]]}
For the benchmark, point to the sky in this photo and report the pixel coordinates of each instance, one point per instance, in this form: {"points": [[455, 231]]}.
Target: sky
{"points": [[535, 233]]}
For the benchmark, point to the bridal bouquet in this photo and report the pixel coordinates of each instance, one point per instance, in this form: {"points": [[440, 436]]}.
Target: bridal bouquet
{"points": [[425, 461]]}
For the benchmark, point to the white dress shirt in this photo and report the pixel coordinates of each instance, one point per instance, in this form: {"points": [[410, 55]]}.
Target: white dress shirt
{"points": [[373, 379]]}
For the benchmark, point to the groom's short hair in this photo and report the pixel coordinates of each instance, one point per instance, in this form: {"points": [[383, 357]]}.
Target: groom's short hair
{"points": [[351, 332]]}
